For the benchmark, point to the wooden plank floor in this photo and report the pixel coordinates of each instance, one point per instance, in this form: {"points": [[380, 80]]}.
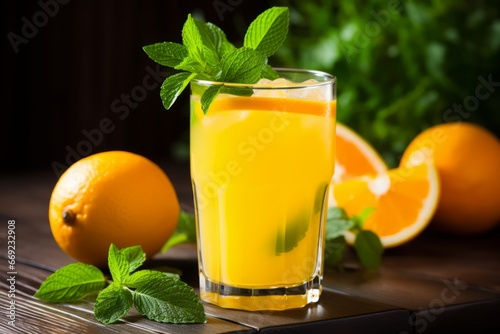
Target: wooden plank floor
{"points": [[435, 284]]}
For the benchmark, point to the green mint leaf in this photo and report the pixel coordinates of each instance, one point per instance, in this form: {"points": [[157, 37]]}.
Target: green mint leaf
{"points": [[189, 64], [243, 65], [369, 249], [361, 219], [173, 86], [240, 91], [207, 38], [334, 250], [337, 213], [174, 240], [220, 41], [212, 60], [167, 53], [208, 96], [268, 31], [192, 40], [184, 232], [71, 283], [269, 73], [207, 54], [135, 257], [168, 299], [118, 264], [295, 230], [142, 277], [210, 51], [112, 303], [337, 223]]}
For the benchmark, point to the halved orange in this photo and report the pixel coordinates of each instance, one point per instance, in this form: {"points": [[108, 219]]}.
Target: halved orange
{"points": [[404, 201], [354, 156]]}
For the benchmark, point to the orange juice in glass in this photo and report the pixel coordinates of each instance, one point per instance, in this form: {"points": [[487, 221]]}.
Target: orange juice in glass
{"points": [[260, 167]]}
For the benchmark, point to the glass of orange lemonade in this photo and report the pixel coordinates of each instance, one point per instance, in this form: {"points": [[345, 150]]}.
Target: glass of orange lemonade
{"points": [[262, 158]]}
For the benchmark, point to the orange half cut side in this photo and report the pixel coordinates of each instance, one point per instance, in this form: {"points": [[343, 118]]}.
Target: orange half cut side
{"points": [[354, 156], [404, 202]]}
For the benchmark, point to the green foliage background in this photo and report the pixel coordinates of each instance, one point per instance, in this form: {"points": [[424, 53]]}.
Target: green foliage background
{"points": [[401, 66]]}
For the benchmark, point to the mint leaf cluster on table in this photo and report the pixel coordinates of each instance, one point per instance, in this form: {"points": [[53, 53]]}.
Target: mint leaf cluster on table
{"points": [[206, 54], [367, 245], [159, 296]]}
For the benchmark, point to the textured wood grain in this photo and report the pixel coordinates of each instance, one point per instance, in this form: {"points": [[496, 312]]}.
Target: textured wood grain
{"points": [[405, 291], [474, 260], [391, 322], [36, 316]]}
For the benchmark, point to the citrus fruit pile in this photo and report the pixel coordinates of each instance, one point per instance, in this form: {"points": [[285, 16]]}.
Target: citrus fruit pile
{"points": [[449, 174], [112, 197]]}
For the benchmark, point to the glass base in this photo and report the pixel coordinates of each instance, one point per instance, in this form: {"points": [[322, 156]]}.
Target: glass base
{"points": [[260, 299]]}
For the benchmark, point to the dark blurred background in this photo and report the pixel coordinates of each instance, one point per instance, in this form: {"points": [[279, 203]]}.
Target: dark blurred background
{"points": [[75, 80]]}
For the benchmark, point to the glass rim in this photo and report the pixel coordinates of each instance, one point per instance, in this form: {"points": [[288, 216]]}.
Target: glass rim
{"points": [[329, 80]]}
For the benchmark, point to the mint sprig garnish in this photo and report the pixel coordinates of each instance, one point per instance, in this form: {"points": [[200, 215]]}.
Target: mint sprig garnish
{"points": [[205, 53], [367, 244], [159, 296]]}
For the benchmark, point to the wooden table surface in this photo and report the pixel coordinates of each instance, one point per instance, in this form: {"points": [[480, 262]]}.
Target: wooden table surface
{"points": [[434, 284]]}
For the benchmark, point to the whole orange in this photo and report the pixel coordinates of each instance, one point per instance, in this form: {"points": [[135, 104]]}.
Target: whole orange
{"points": [[112, 197], [467, 157]]}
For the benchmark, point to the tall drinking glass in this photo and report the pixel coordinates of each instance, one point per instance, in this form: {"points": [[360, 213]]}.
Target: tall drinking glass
{"points": [[262, 157]]}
